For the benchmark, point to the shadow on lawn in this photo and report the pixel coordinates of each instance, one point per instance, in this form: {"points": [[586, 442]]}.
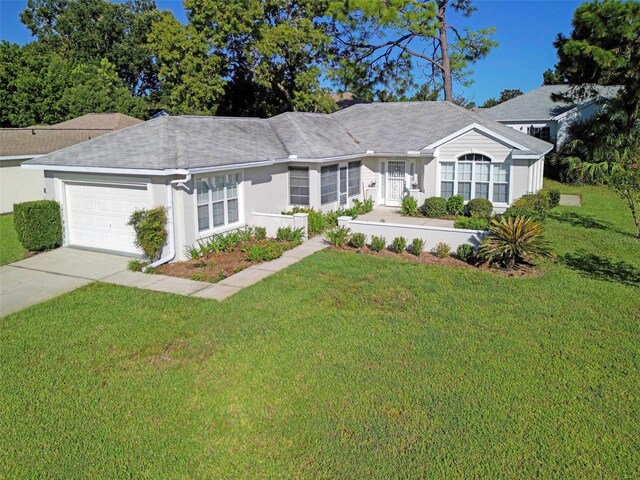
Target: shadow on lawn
{"points": [[579, 220], [602, 268]]}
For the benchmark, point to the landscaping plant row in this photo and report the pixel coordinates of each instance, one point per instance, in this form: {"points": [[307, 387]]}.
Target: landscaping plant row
{"points": [[319, 221]]}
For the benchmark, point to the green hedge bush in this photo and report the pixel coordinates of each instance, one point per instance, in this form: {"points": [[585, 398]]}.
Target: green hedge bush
{"points": [[479, 207], [435, 207], [38, 224], [455, 205], [151, 231], [472, 223]]}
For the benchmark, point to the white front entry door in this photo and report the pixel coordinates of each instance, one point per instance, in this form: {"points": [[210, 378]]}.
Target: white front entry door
{"points": [[97, 215], [396, 182]]}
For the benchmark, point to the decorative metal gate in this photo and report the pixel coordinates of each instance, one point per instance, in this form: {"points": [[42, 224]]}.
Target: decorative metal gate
{"points": [[396, 179]]}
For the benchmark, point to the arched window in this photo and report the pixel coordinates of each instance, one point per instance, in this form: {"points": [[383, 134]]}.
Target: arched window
{"points": [[473, 175]]}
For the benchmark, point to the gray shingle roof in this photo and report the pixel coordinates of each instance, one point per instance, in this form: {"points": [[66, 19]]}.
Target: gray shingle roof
{"points": [[193, 142], [537, 104], [41, 139]]}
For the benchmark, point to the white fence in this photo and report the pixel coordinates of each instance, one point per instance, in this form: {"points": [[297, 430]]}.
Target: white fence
{"points": [[273, 221], [454, 237]]}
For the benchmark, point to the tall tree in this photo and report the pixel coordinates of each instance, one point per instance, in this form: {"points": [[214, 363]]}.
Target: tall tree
{"points": [[505, 95], [38, 86], [384, 41], [552, 77], [86, 30], [190, 78], [603, 48], [274, 51]]}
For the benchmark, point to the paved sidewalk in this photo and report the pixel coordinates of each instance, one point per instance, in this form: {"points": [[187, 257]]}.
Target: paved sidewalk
{"points": [[59, 271], [570, 200]]}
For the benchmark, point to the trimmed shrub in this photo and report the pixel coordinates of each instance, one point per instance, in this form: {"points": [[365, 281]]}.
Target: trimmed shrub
{"points": [[465, 252], [538, 203], [38, 224], [435, 207], [151, 230], [377, 243], [409, 206], [479, 207], [399, 244], [554, 197], [339, 236], [455, 205], [260, 233], [358, 240], [417, 245], [442, 250], [471, 223]]}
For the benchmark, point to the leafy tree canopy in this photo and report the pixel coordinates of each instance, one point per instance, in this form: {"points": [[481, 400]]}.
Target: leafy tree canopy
{"points": [[386, 43], [504, 96]]}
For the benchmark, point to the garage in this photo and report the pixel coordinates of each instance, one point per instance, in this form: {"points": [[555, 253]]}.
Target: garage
{"points": [[97, 215]]}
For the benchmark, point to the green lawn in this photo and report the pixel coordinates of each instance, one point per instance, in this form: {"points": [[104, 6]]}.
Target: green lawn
{"points": [[10, 248], [341, 366]]}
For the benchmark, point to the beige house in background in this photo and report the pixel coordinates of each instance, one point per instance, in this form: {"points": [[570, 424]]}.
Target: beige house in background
{"points": [[20, 144]]}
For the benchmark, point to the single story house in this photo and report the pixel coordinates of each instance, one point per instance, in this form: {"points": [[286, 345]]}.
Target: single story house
{"points": [[214, 173], [536, 114], [20, 144]]}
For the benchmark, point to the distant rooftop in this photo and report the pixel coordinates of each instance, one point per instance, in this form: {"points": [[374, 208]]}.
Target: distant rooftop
{"points": [[538, 105], [41, 139]]}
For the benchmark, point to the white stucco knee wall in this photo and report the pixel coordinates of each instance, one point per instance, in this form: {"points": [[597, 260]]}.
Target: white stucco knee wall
{"points": [[454, 237], [273, 221]]}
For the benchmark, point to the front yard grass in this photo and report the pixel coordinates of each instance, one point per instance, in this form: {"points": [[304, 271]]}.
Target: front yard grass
{"points": [[342, 366], [11, 250]]}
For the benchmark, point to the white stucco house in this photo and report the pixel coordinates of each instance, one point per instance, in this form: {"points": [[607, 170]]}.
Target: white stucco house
{"points": [[215, 174], [536, 114], [18, 145]]}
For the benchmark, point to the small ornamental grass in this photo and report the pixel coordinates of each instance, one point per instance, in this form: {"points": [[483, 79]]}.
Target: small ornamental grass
{"points": [[377, 243], [442, 250], [513, 240], [409, 206], [260, 233], [358, 240], [288, 234], [398, 245], [466, 252], [339, 236], [417, 246]]}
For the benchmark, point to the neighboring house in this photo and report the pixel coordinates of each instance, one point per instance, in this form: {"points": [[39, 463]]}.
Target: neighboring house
{"points": [[214, 173], [20, 144], [536, 114]]}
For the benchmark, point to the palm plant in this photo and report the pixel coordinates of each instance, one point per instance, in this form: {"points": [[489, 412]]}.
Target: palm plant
{"points": [[512, 240]]}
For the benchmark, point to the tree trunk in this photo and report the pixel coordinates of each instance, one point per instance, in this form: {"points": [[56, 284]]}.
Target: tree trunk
{"points": [[444, 46]]}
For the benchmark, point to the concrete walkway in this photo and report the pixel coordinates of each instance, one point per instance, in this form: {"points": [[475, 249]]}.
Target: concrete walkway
{"points": [[393, 215], [570, 200], [59, 271]]}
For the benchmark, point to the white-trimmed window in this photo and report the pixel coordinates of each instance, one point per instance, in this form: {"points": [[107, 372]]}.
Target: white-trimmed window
{"points": [[218, 203], [474, 176], [299, 186], [354, 178], [328, 184]]}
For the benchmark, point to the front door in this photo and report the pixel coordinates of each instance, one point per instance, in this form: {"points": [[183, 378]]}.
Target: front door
{"points": [[343, 185], [396, 181]]}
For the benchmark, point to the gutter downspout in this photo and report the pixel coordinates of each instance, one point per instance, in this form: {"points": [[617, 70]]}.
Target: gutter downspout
{"points": [[170, 223]]}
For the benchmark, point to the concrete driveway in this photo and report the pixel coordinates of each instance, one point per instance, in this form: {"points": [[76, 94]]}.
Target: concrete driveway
{"points": [[53, 273]]}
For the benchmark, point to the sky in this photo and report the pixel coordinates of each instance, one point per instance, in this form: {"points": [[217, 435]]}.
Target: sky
{"points": [[525, 31]]}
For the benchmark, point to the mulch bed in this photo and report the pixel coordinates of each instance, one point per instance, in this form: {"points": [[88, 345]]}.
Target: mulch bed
{"points": [[526, 270], [216, 266]]}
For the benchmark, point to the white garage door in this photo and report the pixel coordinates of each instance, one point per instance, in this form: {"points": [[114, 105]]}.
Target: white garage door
{"points": [[97, 215]]}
